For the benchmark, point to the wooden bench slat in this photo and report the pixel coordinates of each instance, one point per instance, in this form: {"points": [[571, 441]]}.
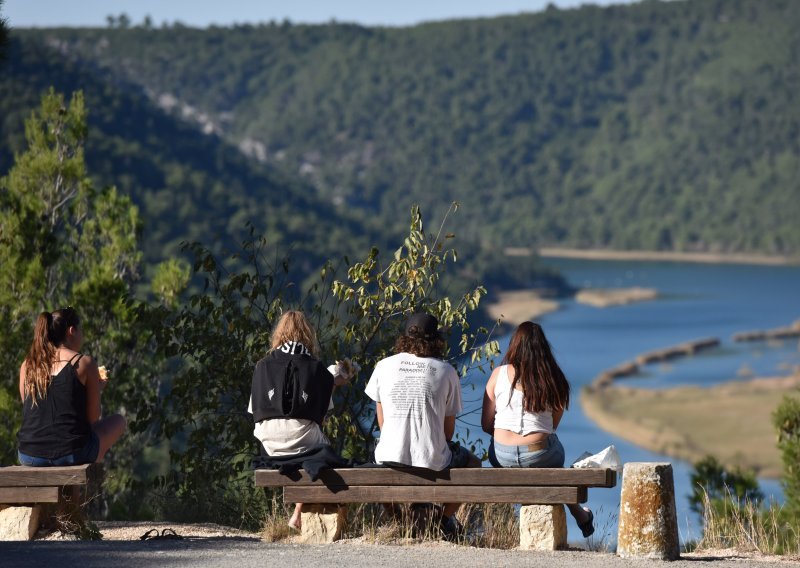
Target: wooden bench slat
{"points": [[435, 494], [555, 477], [22, 476], [10, 495]]}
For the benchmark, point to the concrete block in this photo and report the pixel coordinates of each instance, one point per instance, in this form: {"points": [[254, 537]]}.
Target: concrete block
{"points": [[648, 524], [322, 524], [19, 523], [542, 527]]}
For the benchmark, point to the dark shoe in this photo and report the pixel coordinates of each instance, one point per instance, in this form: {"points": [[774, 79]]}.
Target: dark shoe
{"points": [[587, 526], [424, 517], [451, 529]]}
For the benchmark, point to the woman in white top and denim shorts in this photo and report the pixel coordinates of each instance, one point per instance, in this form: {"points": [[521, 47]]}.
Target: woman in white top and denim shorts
{"points": [[523, 404]]}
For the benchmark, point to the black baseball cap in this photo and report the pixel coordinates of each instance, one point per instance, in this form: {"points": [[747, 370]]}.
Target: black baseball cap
{"points": [[423, 325]]}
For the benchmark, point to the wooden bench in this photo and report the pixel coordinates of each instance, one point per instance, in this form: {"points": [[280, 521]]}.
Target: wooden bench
{"points": [[25, 488], [532, 486]]}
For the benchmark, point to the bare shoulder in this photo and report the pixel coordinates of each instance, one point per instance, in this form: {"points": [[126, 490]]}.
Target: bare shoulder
{"points": [[492, 379], [86, 363]]}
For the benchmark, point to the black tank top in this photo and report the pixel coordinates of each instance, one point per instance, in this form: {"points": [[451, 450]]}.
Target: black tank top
{"points": [[57, 425]]}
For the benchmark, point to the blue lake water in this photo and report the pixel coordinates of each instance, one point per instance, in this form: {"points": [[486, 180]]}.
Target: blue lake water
{"points": [[696, 301]]}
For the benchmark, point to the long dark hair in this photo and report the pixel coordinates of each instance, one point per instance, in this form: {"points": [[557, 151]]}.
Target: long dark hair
{"points": [[48, 334], [544, 386]]}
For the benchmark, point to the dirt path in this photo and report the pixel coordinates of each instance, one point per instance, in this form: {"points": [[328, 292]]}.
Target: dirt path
{"points": [[212, 545]]}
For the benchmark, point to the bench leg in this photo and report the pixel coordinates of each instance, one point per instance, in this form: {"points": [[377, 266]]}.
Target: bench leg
{"points": [[322, 524], [542, 527], [68, 515], [19, 523]]}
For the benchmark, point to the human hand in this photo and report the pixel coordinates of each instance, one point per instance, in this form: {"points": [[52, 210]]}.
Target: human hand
{"points": [[345, 370]]}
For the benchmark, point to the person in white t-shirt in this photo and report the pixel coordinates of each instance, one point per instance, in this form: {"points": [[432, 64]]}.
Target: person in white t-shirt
{"points": [[417, 397]]}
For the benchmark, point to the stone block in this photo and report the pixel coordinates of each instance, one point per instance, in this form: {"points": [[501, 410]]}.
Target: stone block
{"points": [[19, 523], [648, 523], [321, 524], [542, 527]]}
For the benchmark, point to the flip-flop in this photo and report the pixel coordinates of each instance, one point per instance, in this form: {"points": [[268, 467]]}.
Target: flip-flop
{"points": [[166, 534], [587, 526]]}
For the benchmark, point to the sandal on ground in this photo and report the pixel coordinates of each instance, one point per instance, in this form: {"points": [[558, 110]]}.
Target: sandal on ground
{"points": [[587, 526], [166, 534]]}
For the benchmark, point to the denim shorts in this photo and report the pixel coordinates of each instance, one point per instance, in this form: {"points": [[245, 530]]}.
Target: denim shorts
{"points": [[460, 455], [87, 454], [501, 455]]}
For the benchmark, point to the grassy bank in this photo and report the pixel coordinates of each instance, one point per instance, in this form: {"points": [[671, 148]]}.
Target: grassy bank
{"points": [[518, 306], [730, 421]]}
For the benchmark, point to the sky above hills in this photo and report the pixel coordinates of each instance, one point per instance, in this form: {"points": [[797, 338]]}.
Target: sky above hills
{"points": [[202, 13]]}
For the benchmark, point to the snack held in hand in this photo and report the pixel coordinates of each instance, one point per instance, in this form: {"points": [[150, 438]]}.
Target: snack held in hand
{"points": [[103, 372]]}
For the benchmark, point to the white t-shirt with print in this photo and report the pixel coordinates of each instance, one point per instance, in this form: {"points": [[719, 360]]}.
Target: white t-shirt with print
{"points": [[416, 394]]}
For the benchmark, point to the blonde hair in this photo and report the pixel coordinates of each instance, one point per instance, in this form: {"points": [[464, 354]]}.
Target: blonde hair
{"points": [[294, 326]]}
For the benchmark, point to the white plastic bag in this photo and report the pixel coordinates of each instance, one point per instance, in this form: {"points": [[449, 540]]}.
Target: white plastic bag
{"points": [[605, 459]]}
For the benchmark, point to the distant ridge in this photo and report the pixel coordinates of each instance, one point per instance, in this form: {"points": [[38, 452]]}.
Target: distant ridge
{"points": [[657, 126]]}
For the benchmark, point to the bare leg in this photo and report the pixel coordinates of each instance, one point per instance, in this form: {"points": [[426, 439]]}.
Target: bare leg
{"points": [[295, 521], [109, 430]]}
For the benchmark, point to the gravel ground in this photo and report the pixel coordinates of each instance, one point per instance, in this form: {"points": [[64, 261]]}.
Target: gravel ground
{"points": [[214, 545]]}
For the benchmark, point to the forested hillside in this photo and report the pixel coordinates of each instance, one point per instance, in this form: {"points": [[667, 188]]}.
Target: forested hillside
{"points": [[188, 185], [658, 125]]}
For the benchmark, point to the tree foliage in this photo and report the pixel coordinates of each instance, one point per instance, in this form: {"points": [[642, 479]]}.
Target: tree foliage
{"points": [[657, 125], [64, 242], [220, 333], [3, 34], [786, 420], [712, 483]]}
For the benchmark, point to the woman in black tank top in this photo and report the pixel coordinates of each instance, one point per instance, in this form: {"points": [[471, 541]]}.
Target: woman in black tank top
{"points": [[60, 390]]}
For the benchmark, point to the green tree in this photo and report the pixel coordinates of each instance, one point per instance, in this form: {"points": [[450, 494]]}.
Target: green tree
{"points": [[3, 34], [714, 484], [63, 242], [222, 331], [787, 422]]}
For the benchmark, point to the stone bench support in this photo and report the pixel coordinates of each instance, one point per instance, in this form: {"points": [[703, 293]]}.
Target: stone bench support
{"points": [[542, 527], [321, 524], [19, 522]]}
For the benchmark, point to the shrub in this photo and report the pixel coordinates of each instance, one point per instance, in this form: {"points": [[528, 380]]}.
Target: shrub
{"points": [[216, 338]]}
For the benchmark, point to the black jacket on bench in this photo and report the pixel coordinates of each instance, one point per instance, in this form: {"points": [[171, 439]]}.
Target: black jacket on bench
{"points": [[311, 461], [290, 383]]}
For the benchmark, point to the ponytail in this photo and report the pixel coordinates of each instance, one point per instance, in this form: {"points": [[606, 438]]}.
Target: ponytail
{"points": [[40, 358], [48, 334]]}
